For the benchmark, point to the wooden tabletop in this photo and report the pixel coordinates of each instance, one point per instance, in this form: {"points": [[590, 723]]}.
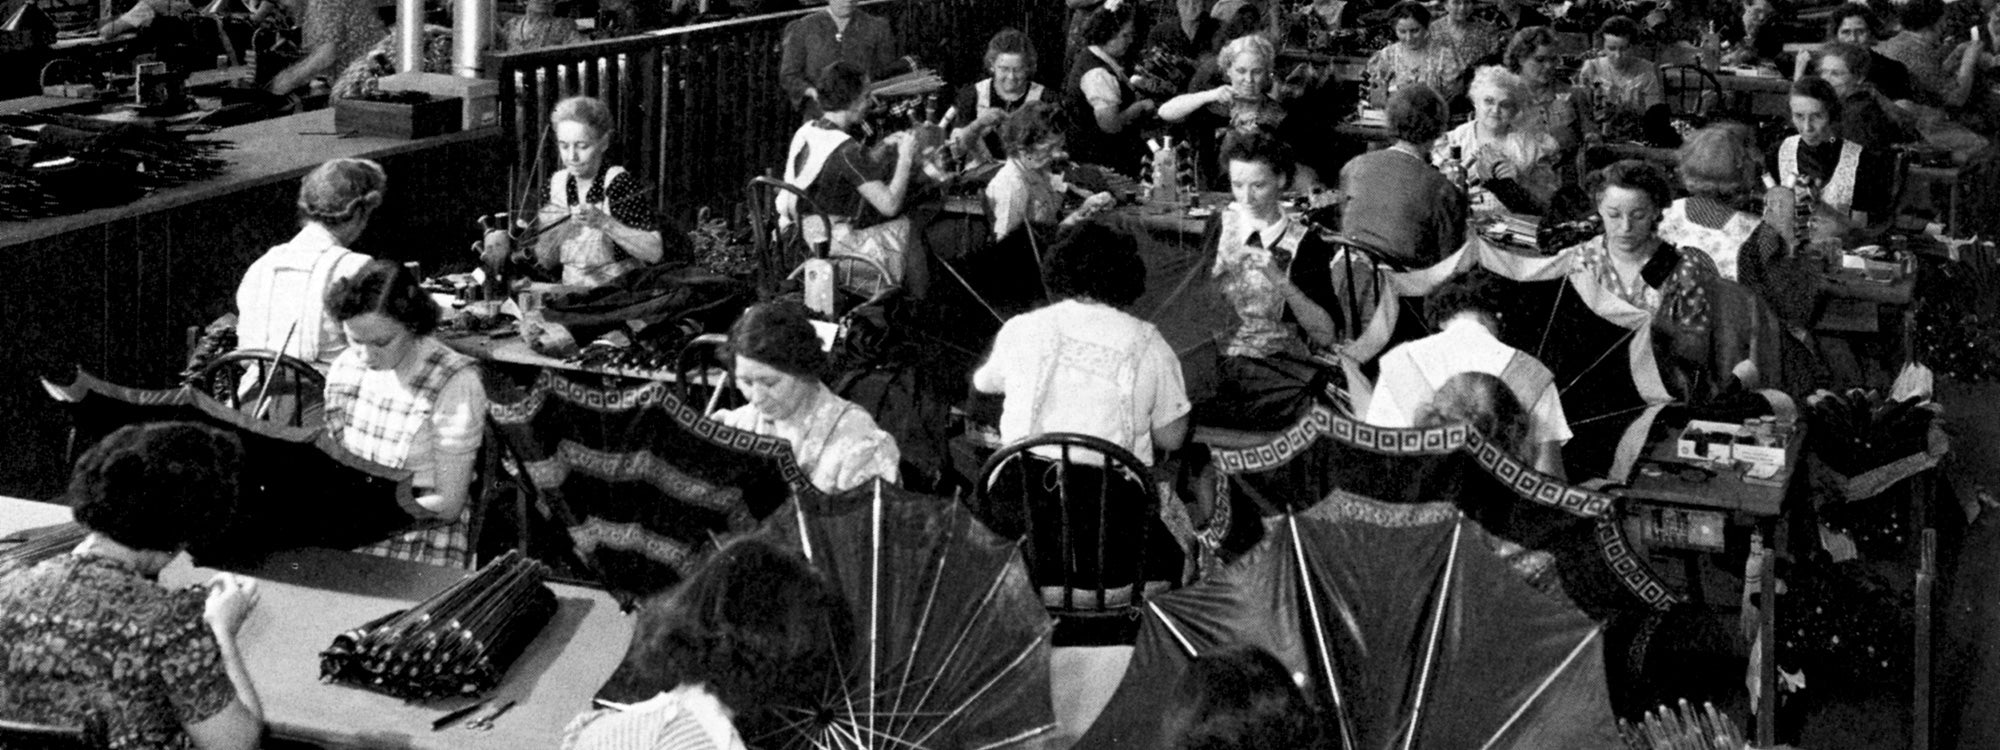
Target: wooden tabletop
{"points": [[513, 350], [1723, 489], [308, 596]]}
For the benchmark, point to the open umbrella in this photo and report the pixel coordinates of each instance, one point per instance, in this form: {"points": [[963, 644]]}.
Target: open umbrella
{"points": [[1406, 628], [299, 487], [951, 642]]}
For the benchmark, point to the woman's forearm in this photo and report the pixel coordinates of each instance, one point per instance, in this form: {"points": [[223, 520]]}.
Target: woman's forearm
{"points": [[453, 484], [1180, 107], [645, 245], [1313, 318], [291, 78], [239, 675]]}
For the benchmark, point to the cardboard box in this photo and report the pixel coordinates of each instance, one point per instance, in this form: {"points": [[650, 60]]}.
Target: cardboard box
{"points": [[481, 96], [392, 120]]}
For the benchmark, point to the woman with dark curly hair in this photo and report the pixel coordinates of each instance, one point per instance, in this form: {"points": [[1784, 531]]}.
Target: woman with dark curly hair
{"points": [[400, 398], [1549, 104], [754, 628], [1104, 111], [983, 106], [1083, 364], [779, 366], [1022, 194], [89, 638], [1412, 58], [1241, 698]]}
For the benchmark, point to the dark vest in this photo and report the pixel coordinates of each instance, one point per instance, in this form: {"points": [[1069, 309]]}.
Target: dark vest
{"points": [[1088, 144]]}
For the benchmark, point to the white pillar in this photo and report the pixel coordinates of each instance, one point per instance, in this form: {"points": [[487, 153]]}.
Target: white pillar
{"points": [[409, 36], [472, 35]]}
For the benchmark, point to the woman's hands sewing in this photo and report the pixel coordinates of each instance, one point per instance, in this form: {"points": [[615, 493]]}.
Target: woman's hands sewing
{"points": [[1096, 204], [230, 600], [1488, 163]]}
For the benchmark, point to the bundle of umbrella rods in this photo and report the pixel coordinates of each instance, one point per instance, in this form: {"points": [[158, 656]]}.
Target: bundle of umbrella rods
{"points": [[30, 548], [1682, 728], [460, 641]]}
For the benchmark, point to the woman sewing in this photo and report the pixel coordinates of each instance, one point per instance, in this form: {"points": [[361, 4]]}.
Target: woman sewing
{"points": [[595, 224], [1512, 163], [983, 106], [1817, 163], [778, 364], [861, 199], [1246, 102], [398, 397]]}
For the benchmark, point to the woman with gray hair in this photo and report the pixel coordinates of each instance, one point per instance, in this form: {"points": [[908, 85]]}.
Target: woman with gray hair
{"points": [[279, 304], [1513, 163], [1719, 167], [1248, 101]]}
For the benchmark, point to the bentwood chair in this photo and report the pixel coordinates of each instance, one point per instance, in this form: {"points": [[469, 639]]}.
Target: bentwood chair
{"points": [[782, 244], [702, 375], [1088, 520], [1692, 91], [266, 385]]}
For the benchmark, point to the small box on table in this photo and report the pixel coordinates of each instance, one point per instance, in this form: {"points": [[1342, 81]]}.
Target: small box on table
{"points": [[397, 120]]}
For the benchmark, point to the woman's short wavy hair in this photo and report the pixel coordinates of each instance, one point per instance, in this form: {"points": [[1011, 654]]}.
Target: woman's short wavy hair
{"points": [[1632, 174], [1494, 79], [756, 623], [1720, 161], [1619, 26], [1254, 44], [1526, 43], [1103, 25], [1853, 10], [341, 190], [588, 111], [1028, 127], [1860, 61], [1010, 41], [1483, 401], [386, 287], [1816, 88], [159, 485], [1240, 697], [1417, 114], [1412, 10], [1092, 261], [1260, 146], [779, 334]]}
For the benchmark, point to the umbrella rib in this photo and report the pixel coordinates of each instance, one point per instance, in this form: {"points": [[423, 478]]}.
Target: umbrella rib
{"points": [[923, 627], [874, 601], [805, 540], [1172, 629], [1319, 632], [992, 593], [1437, 629], [1522, 709], [967, 702]]}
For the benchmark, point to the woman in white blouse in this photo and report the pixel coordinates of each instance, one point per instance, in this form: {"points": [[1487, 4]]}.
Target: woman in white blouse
{"points": [[1514, 163]]}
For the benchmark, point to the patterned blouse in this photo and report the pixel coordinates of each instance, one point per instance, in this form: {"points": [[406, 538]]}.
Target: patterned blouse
{"points": [[84, 635], [833, 440], [1240, 251], [1466, 43], [350, 26], [1554, 110], [1396, 66], [1669, 288]]}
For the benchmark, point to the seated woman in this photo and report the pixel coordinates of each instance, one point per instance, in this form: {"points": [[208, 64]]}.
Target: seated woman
{"points": [[1549, 103], [1512, 163], [141, 15], [1630, 262], [1021, 194], [90, 637], [754, 628], [1981, 57], [1276, 273], [397, 396], [1866, 116], [983, 106], [1104, 112], [1463, 37], [280, 304], [1240, 698], [1719, 168], [778, 365], [1466, 315], [597, 223], [861, 198], [1397, 204], [1083, 363], [1755, 41], [1411, 58], [1821, 165], [1246, 102], [1625, 87]]}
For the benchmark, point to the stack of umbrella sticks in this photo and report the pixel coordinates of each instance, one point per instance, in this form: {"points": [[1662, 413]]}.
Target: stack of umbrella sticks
{"points": [[1682, 728], [458, 642], [39, 544]]}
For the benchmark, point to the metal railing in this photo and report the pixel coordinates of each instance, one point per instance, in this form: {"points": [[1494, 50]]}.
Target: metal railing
{"points": [[698, 109]]}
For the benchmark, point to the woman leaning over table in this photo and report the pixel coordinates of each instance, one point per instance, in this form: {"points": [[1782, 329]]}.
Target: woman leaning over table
{"points": [[779, 366], [280, 302], [754, 629], [400, 398], [1412, 58], [1514, 163], [91, 637], [1022, 194]]}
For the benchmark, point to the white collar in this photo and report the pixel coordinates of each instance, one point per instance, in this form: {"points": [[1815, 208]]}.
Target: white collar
{"points": [[1116, 69]]}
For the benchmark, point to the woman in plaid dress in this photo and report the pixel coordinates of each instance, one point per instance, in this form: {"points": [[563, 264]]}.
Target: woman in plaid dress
{"points": [[398, 397]]}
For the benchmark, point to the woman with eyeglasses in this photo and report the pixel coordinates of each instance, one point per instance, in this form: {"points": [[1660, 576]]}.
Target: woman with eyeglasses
{"points": [[983, 106], [1515, 164], [1023, 193]]}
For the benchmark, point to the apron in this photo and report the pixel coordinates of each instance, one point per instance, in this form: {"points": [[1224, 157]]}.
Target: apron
{"points": [[883, 243], [1723, 245], [589, 258], [1838, 192]]}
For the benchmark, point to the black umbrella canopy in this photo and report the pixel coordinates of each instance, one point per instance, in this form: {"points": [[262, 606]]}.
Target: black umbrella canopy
{"points": [[951, 641], [1405, 626], [299, 487]]}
